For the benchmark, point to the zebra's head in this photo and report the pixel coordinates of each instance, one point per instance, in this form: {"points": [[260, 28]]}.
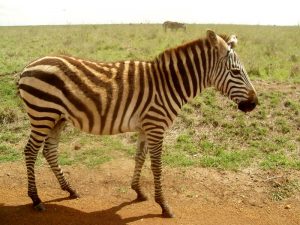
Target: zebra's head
{"points": [[229, 75]]}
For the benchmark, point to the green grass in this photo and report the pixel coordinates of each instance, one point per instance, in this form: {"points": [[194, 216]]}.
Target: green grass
{"points": [[228, 160], [8, 153], [209, 132], [268, 52], [92, 150], [280, 160], [90, 157]]}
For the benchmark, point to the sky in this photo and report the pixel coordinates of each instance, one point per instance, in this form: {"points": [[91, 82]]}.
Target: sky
{"points": [[52, 12]]}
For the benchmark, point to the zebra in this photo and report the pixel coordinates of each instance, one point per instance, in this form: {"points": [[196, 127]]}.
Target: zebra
{"points": [[108, 98], [173, 25]]}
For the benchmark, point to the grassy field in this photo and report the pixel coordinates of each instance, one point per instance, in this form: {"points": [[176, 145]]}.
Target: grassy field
{"points": [[209, 132]]}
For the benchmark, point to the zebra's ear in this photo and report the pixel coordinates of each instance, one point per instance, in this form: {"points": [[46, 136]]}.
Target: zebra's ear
{"points": [[212, 37], [232, 42]]}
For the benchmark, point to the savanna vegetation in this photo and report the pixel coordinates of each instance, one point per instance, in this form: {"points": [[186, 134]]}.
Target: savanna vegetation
{"points": [[210, 132]]}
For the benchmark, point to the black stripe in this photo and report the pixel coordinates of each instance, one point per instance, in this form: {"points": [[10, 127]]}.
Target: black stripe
{"points": [[141, 77], [233, 87], [208, 49], [153, 125], [157, 111], [41, 126], [36, 140], [131, 87], [168, 82], [41, 118], [38, 133], [34, 145], [243, 92], [203, 60], [191, 71], [150, 86], [222, 81], [157, 132], [157, 102], [197, 65], [155, 136], [155, 119], [183, 74], [165, 93], [176, 82], [157, 76], [42, 109], [120, 89], [98, 68]]}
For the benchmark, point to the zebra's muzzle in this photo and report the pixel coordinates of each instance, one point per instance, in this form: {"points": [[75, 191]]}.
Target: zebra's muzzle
{"points": [[249, 105]]}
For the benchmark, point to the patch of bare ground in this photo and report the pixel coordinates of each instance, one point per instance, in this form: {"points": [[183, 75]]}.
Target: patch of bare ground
{"points": [[197, 196]]}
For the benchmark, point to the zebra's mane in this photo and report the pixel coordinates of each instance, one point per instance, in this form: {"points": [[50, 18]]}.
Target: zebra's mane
{"points": [[180, 47], [186, 45]]}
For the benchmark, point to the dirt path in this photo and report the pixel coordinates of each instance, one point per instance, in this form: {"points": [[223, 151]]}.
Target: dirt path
{"points": [[198, 196]]}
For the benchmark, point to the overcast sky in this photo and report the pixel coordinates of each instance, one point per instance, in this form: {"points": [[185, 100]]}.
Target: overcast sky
{"points": [[37, 12]]}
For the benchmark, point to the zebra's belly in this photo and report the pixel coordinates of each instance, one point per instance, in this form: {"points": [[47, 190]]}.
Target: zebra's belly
{"points": [[107, 126]]}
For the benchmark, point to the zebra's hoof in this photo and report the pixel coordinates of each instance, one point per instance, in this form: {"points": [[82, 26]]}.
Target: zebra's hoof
{"points": [[74, 195], [167, 213], [141, 197], [39, 207], [72, 192]]}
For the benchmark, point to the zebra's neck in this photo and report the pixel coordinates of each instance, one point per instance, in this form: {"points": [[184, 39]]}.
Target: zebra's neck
{"points": [[183, 72]]}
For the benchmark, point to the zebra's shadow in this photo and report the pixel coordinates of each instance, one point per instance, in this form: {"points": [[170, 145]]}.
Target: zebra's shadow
{"points": [[63, 215]]}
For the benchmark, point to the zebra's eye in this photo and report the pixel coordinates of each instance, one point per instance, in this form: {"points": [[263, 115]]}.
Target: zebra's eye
{"points": [[236, 71]]}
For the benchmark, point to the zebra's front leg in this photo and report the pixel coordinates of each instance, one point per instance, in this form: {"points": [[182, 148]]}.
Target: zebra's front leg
{"points": [[155, 149], [51, 154], [139, 162], [31, 150]]}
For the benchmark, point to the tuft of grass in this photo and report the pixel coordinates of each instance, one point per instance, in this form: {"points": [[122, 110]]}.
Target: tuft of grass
{"points": [[284, 190], [228, 160], [295, 70], [8, 115], [178, 159], [8, 94], [8, 153], [279, 160], [94, 150], [90, 157], [184, 142]]}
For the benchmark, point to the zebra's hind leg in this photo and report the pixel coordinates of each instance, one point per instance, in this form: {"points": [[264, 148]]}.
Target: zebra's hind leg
{"points": [[51, 155], [139, 162], [32, 147]]}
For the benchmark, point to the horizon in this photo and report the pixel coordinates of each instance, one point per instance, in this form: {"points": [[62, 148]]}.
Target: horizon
{"points": [[108, 24], [91, 12]]}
